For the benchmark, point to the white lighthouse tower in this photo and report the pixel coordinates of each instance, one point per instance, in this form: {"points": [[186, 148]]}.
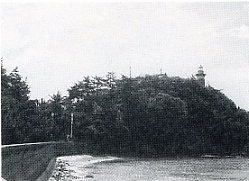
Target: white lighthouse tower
{"points": [[201, 76]]}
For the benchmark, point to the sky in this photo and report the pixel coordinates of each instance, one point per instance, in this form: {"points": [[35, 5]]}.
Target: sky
{"points": [[55, 45]]}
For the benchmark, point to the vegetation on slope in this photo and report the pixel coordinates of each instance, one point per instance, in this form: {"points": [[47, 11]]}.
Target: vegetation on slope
{"points": [[149, 115]]}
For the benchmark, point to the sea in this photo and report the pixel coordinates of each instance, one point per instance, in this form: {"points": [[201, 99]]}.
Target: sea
{"points": [[108, 168]]}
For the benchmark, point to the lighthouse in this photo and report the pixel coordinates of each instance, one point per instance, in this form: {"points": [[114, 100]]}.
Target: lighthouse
{"points": [[201, 76]]}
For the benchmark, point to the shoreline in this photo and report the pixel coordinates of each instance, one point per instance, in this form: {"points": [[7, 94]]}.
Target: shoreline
{"points": [[98, 158], [48, 172], [65, 167], [37, 160], [86, 170]]}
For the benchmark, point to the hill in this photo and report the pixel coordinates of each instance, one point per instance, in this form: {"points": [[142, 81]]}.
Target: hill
{"points": [[152, 115]]}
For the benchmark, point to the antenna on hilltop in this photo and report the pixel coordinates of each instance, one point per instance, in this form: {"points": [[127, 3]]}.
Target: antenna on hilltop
{"points": [[130, 72]]}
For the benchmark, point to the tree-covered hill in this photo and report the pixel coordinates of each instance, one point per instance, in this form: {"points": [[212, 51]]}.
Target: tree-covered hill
{"points": [[152, 115]]}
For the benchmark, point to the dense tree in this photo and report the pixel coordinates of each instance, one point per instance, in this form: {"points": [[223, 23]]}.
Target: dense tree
{"points": [[23, 119], [158, 115], [60, 116], [147, 115], [16, 107]]}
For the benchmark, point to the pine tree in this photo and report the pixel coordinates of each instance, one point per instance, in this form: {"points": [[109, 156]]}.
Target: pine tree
{"points": [[15, 105]]}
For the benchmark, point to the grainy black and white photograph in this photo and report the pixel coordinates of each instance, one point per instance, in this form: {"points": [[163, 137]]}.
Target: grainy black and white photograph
{"points": [[125, 91]]}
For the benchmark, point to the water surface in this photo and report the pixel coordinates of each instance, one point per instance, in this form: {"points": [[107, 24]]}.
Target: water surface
{"points": [[131, 169]]}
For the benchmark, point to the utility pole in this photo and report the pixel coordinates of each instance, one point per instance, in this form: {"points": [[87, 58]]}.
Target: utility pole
{"points": [[71, 132]]}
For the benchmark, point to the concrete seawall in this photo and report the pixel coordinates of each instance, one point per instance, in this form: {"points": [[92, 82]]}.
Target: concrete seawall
{"points": [[34, 162]]}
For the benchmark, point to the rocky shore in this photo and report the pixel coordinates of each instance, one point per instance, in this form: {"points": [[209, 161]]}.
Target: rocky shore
{"points": [[77, 167], [61, 171]]}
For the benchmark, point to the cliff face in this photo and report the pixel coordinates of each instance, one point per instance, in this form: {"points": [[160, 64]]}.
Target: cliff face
{"points": [[33, 162]]}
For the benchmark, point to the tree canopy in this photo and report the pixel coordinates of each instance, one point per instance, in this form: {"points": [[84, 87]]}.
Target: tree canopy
{"points": [[146, 115]]}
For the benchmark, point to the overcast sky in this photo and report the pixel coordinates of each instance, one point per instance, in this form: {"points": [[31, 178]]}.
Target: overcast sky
{"points": [[55, 45]]}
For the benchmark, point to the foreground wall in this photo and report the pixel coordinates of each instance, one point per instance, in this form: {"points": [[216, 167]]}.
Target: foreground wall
{"points": [[31, 162]]}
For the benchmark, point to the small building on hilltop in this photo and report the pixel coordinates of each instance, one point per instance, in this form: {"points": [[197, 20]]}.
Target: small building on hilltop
{"points": [[201, 76]]}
